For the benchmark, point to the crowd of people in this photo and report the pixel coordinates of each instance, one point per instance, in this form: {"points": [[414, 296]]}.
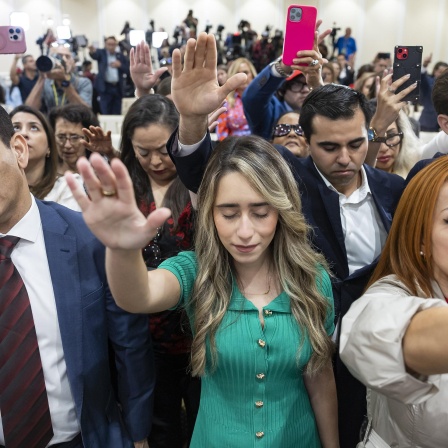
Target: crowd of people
{"points": [[286, 286]]}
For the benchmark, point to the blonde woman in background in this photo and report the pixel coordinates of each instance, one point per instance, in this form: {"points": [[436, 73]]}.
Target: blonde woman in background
{"points": [[233, 121]]}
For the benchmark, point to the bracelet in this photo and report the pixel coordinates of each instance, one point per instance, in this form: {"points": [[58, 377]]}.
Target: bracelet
{"points": [[278, 67], [151, 92]]}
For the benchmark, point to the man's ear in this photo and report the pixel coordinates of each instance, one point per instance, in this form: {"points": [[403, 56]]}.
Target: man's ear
{"points": [[20, 148], [443, 122]]}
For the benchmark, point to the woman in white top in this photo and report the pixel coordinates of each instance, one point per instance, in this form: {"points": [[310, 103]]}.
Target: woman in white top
{"points": [[41, 171], [393, 338]]}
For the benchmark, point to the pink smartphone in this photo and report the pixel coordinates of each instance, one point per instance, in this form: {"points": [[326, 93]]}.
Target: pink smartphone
{"points": [[12, 40], [299, 32]]}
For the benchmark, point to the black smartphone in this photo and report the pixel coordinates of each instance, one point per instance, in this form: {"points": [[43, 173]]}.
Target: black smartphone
{"points": [[408, 60]]}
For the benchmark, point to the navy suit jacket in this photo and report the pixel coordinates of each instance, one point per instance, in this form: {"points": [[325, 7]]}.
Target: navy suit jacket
{"points": [[91, 324], [100, 80], [261, 107]]}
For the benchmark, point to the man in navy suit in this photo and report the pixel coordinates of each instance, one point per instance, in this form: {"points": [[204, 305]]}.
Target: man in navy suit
{"points": [[109, 82], [348, 204], [80, 331]]}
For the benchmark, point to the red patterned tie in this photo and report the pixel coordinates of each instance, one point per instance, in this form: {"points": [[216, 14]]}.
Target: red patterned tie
{"points": [[23, 397]]}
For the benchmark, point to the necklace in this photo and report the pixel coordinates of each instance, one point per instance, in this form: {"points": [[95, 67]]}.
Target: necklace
{"points": [[257, 293]]}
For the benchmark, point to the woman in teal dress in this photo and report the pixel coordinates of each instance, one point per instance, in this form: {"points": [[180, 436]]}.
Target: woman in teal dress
{"points": [[258, 297]]}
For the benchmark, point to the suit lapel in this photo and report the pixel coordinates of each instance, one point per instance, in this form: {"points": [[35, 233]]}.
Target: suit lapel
{"points": [[63, 262], [330, 200], [380, 189]]}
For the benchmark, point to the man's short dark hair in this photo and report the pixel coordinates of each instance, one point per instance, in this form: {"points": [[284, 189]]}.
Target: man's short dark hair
{"points": [[110, 37], [6, 128], [24, 58], [440, 94], [332, 101], [74, 113]]}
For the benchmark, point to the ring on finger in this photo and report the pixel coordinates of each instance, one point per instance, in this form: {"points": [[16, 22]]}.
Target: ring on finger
{"points": [[314, 62], [108, 193], [391, 90]]}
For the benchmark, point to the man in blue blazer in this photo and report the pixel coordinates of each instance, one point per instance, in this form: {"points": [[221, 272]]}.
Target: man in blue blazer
{"points": [[109, 82], [82, 336], [348, 204]]}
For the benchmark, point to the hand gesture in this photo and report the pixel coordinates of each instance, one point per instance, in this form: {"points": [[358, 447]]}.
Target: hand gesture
{"points": [[213, 117], [96, 140], [110, 210], [389, 103], [140, 67], [194, 88]]}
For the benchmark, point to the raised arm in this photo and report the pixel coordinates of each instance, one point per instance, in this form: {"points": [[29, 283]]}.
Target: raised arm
{"points": [[13, 70], [424, 343], [34, 99], [389, 105], [112, 215], [195, 89], [140, 68]]}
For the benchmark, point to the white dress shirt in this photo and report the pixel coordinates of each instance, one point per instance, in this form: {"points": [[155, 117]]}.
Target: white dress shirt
{"points": [[30, 259], [364, 232], [62, 194]]}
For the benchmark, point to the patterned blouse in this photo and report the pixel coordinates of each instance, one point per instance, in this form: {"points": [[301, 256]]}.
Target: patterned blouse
{"points": [[170, 330], [232, 122]]}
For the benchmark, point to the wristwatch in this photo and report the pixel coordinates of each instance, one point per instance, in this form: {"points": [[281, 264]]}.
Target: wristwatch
{"points": [[65, 83], [374, 137], [278, 67]]}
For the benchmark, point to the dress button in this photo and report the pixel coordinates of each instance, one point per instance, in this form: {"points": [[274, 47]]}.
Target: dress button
{"points": [[261, 343], [267, 312], [259, 404], [260, 376], [259, 434]]}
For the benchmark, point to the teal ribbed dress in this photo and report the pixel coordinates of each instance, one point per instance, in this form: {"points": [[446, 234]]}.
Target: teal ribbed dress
{"points": [[256, 397]]}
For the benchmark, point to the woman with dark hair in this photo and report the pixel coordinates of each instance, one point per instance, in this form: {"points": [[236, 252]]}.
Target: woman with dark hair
{"points": [[393, 339], [41, 171], [257, 295], [146, 128]]}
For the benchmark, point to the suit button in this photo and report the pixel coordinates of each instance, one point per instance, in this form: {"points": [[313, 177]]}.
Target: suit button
{"points": [[267, 312], [261, 343], [259, 434], [260, 376], [259, 404]]}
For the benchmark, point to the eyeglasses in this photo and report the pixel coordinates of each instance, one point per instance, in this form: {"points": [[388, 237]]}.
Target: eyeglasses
{"points": [[152, 253], [393, 139], [74, 139], [297, 87], [282, 129]]}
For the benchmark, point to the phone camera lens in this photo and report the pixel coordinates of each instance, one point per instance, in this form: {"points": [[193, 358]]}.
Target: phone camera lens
{"points": [[400, 50], [405, 56], [18, 30], [11, 31]]}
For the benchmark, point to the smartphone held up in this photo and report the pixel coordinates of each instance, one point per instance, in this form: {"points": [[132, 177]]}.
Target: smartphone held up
{"points": [[12, 40], [408, 61], [299, 31]]}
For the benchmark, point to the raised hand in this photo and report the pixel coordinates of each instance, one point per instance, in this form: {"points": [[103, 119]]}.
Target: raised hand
{"points": [[140, 67], [194, 88], [390, 103], [96, 140], [110, 210]]}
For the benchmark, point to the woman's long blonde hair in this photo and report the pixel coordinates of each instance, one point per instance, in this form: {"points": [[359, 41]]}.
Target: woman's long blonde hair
{"points": [[233, 70], [297, 265]]}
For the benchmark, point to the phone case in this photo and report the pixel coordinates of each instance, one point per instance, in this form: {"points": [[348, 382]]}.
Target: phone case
{"points": [[299, 31], [12, 40], [408, 60]]}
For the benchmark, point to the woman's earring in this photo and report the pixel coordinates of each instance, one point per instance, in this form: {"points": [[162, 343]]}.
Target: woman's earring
{"points": [[422, 253]]}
